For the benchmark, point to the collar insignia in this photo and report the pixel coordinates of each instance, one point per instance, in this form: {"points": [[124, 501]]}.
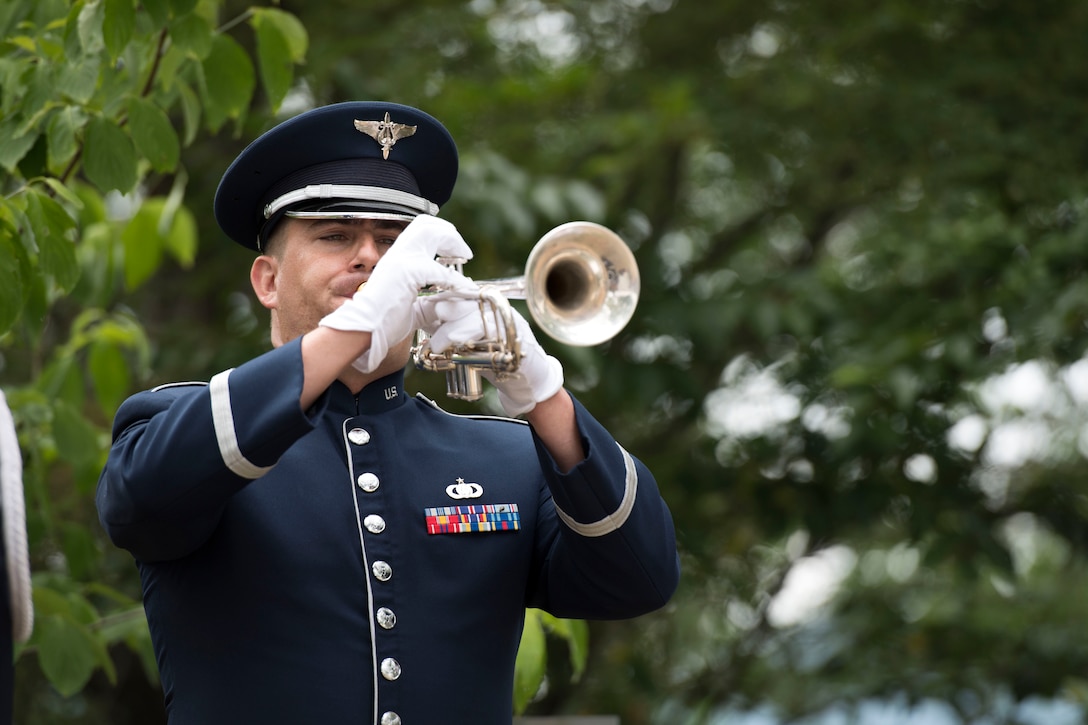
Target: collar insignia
{"points": [[462, 490], [385, 132]]}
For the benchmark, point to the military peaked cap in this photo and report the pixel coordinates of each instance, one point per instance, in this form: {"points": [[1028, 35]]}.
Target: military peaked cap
{"points": [[360, 159]]}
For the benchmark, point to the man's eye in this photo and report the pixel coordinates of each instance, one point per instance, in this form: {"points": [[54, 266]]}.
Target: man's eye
{"points": [[386, 241]]}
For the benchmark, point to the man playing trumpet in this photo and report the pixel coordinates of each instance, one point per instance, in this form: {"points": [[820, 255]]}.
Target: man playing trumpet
{"points": [[316, 546]]}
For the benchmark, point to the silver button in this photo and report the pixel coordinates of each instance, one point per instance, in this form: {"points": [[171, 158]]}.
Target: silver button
{"points": [[358, 436], [390, 718], [386, 618], [390, 669], [382, 571], [368, 482], [374, 523]]}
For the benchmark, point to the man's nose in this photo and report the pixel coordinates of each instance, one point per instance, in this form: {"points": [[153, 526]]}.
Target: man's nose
{"points": [[366, 254]]}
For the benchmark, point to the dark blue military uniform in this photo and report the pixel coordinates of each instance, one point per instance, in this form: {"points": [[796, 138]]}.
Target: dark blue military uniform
{"points": [[368, 560]]}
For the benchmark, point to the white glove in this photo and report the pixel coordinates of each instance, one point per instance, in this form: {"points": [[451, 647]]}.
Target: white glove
{"points": [[451, 322], [384, 306]]}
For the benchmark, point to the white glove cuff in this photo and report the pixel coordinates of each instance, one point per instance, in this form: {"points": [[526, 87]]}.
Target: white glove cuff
{"points": [[368, 362], [547, 380]]}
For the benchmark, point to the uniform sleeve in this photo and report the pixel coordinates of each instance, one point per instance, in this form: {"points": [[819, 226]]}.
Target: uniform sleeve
{"points": [[608, 545], [180, 452]]}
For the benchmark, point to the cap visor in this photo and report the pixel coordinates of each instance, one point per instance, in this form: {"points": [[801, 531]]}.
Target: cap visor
{"points": [[388, 215]]}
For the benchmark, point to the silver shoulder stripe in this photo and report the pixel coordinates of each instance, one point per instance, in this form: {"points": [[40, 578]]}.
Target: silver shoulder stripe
{"points": [[469, 416], [614, 520], [225, 433], [167, 386]]}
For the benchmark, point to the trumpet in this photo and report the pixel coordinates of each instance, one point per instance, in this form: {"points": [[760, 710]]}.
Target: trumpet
{"points": [[581, 285]]}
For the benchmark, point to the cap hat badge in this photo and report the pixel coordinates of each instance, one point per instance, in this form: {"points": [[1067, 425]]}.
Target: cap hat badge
{"points": [[385, 132]]}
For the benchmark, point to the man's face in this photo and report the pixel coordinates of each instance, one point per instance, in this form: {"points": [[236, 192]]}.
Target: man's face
{"points": [[314, 265]]}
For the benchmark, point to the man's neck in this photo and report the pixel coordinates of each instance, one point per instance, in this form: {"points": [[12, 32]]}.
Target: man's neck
{"points": [[355, 381]]}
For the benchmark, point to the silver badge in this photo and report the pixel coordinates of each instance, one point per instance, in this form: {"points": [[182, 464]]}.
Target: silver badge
{"points": [[461, 490], [385, 132]]}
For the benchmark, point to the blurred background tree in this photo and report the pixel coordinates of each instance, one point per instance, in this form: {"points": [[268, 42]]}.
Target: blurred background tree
{"points": [[857, 368]]}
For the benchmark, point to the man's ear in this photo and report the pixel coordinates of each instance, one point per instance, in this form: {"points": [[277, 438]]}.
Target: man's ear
{"points": [[262, 276]]}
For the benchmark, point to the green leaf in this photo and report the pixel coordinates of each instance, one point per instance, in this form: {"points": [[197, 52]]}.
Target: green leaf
{"points": [[190, 112], [13, 73], [182, 237], [229, 81], [531, 661], [158, 10], [289, 26], [109, 157], [76, 438], [109, 374], [16, 143], [11, 278], [80, 551], [156, 227], [142, 244], [50, 602], [193, 35], [73, 47], [181, 7], [66, 652], [100, 590], [20, 222], [36, 308], [62, 191], [576, 634], [274, 61], [153, 134], [129, 626], [61, 133], [62, 380], [118, 25], [89, 27], [56, 252], [33, 164], [126, 626]]}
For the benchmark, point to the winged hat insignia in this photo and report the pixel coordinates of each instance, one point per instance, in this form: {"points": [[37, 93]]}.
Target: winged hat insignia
{"points": [[385, 132]]}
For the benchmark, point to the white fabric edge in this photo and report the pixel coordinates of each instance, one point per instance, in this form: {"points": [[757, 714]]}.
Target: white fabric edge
{"points": [[615, 520], [225, 433], [16, 547], [366, 565], [350, 191]]}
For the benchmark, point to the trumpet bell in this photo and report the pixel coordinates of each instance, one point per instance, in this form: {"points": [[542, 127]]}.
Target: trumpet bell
{"points": [[581, 283]]}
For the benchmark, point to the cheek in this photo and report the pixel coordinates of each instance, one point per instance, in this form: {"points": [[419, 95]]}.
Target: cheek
{"points": [[308, 286], [297, 272]]}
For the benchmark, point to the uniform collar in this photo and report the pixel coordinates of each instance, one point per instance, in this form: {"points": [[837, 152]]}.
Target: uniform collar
{"points": [[382, 395]]}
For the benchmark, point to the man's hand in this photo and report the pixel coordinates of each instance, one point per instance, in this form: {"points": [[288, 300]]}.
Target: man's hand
{"points": [[384, 306], [451, 322]]}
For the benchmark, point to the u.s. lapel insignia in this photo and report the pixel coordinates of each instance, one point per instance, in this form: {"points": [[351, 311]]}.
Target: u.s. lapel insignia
{"points": [[462, 490], [385, 132]]}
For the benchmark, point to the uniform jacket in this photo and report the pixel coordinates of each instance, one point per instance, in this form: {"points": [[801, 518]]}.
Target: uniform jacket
{"points": [[308, 566]]}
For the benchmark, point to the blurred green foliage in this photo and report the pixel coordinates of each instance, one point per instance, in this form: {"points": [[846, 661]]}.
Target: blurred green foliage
{"points": [[857, 368]]}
